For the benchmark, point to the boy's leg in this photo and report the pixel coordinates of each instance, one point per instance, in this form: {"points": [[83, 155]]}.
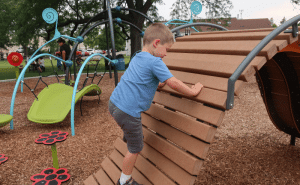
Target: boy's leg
{"points": [[128, 163], [133, 133]]}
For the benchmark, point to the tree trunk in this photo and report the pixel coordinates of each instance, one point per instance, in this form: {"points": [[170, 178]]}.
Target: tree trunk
{"points": [[136, 43]]}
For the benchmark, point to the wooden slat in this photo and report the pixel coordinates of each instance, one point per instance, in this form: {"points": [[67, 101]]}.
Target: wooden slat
{"points": [[211, 82], [192, 108], [234, 31], [111, 170], [145, 167], [181, 139], [225, 47], [212, 64], [163, 163], [186, 161], [209, 96], [280, 44], [90, 181], [118, 158], [257, 62], [237, 36], [102, 178], [196, 128]]}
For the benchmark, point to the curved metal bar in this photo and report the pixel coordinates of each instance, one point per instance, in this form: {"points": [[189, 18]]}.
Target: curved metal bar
{"points": [[18, 82], [76, 85], [90, 21], [95, 25], [253, 53], [169, 22], [136, 12], [199, 24]]}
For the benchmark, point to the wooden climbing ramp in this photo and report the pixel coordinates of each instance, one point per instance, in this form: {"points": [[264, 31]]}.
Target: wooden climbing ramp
{"points": [[178, 129]]}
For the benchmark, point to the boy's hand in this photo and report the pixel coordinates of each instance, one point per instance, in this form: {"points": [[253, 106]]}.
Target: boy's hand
{"points": [[160, 85], [197, 88]]}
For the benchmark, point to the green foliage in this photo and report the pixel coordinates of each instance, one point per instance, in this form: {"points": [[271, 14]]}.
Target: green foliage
{"points": [[219, 8], [26, 22]]}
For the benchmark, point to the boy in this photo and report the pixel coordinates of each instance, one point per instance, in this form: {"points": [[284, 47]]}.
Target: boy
{"points": [[135, 91], [41, 64]]}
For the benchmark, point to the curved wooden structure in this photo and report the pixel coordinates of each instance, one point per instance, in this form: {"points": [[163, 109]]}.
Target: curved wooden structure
{"points": [[178, 129]]}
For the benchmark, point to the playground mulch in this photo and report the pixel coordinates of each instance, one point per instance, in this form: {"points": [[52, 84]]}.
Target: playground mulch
{"points": [[247, 149]]}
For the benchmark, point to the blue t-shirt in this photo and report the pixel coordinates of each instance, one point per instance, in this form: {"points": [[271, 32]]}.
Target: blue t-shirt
{"points": [[136, 89]]}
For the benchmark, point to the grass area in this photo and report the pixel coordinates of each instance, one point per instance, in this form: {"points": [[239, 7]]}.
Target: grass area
{"points": [[7, 71]]}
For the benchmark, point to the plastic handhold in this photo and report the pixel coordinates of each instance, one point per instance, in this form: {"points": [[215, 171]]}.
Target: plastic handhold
{"points": [[118, 8], [196, 7], [79, 39], [142, 34], [50, 15], [114, 62], [119, 20]]}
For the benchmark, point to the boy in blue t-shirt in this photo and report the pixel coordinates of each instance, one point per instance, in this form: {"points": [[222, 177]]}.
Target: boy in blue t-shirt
{"points": [[135, 91]]}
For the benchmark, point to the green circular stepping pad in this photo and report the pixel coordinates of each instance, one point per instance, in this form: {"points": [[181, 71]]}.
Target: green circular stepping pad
{"points": [[5, 119]]}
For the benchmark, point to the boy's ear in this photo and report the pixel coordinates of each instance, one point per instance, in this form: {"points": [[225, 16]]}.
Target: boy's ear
{"points": [[156, 42]]}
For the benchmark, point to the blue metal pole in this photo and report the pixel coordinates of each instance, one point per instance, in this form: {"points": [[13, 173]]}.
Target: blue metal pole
{"points": [[18, 82], [75, 88]]}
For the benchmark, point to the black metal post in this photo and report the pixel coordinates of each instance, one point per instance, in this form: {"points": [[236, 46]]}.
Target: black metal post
{"points": [[112, 40], [107, 42]]}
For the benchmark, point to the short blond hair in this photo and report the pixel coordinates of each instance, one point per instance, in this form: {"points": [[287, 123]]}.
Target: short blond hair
{"points": [[158, 31]]}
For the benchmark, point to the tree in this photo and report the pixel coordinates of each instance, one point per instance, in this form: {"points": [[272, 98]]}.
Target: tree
{"points": [[272, 23], [282, 21], [218, 8], [218, 11], [6, 13]]}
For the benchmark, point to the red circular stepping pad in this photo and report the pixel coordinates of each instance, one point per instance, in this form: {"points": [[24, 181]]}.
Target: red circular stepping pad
{"points": [[3, 158], [51, 176], [52, 137]]}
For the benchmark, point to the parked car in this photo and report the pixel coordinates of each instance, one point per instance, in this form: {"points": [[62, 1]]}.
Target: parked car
{"points": [[98, 51], [20, 50], [90, 51]]}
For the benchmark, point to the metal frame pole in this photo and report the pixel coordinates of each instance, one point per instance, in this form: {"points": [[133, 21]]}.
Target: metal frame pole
{"points": [[112, 40]]}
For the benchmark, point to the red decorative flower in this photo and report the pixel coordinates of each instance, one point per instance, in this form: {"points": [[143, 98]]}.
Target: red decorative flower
{"points": [[52, 137], [2, 158], [51, 176], [15, 58]]}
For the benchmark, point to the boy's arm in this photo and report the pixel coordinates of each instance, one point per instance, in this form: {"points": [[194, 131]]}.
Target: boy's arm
{"points": [[179, 86], [161, 84]]}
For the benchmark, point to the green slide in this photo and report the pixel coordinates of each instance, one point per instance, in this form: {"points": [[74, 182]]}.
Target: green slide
{"points": [[54, 103]]}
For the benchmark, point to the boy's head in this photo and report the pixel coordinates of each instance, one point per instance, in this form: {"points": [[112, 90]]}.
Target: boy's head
{"points": [[61, 41], [158, 39]]}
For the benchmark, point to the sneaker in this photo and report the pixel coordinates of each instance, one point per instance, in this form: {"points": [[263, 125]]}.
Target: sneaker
{"points": [[129, 182]]}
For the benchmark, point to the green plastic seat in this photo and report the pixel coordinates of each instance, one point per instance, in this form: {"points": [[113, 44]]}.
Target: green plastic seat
{"points": [[54, 103], [5, 119]]}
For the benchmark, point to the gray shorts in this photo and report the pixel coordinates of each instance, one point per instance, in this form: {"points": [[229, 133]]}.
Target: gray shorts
{"points": [[131, 126]]}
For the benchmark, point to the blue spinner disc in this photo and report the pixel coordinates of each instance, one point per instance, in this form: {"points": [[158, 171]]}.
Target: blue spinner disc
{"points": [[196, 7], [50, 15]]}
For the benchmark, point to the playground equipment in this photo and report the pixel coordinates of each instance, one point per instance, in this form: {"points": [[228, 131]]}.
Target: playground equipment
{"points": [[53, 175], [54, 102], [178, 129], [196, 8]]}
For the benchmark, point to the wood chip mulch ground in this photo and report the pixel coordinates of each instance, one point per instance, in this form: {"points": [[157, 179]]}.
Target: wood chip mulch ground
{"points": [[247, 149]]}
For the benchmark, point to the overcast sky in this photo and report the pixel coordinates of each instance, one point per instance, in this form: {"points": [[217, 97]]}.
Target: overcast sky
{"points": [[251, 9]]}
